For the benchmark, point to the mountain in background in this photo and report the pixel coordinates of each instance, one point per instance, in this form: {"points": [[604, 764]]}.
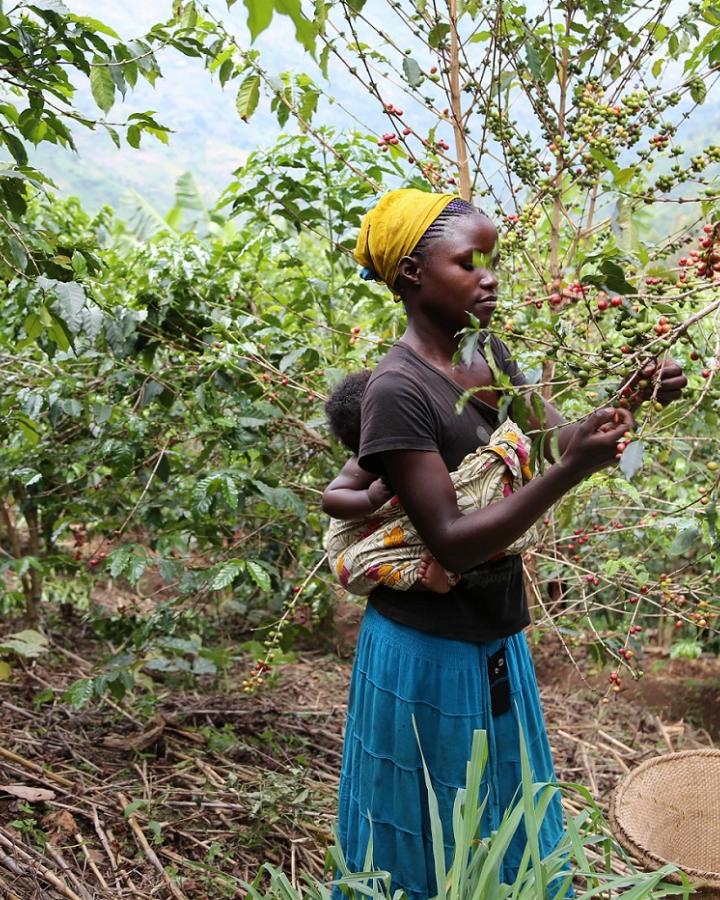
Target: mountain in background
{"points": [[209, 139]]}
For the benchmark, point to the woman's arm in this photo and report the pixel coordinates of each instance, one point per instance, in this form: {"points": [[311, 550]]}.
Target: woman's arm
{"points": [[354, 493], [671, 382], [461, 542]]}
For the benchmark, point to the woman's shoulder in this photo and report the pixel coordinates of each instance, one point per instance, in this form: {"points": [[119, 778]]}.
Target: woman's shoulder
{"points": [[399, 367], [504, 358], [403, 361]]}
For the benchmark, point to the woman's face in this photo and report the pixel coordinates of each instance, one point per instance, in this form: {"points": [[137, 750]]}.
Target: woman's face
{"points": [[457, 274]]}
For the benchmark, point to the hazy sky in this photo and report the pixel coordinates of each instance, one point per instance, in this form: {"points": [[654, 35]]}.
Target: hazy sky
{"points": [[209, 137]]}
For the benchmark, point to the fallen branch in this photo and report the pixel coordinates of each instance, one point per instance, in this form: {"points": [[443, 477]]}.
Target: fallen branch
{"points": [[34, 767], [66, 870], [88, 858], [35, 866], [5, 887], [147, 849]]}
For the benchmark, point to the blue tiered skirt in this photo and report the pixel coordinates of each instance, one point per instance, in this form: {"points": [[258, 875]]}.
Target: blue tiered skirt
{"points": [[400, 672]]}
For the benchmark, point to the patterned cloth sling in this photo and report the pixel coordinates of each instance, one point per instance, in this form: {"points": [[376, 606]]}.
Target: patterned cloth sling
{"points": [[385, 548]]}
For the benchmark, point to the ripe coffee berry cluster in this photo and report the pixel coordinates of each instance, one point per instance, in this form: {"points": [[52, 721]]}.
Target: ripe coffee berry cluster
{"points": [[705, 258], [662, 326], [388, 139]]}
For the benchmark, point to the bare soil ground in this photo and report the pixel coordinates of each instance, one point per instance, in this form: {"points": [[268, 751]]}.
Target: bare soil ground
{"points": [[192, 801]]}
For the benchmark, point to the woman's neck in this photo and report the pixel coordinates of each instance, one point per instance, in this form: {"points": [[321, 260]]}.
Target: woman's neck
{"points": [[432, 344]]}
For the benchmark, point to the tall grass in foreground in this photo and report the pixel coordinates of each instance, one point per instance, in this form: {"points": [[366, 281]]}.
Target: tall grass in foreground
{"points": [[583, 858]]}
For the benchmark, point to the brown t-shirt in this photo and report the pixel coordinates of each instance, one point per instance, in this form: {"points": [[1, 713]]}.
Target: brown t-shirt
{"points": [[411, 405]]}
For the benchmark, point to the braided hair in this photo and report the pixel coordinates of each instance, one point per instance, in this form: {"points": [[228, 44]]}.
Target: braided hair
{"points": [[343, 408], [437, 229]]}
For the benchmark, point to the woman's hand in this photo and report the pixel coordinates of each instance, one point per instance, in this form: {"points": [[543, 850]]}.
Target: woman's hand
{"points": [[593, 444], [665, 375]]}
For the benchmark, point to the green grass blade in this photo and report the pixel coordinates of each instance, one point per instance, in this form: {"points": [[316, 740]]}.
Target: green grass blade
{"points": [[499, 843], [436, 831], [532, 825], [369, 851], [466, 815]]}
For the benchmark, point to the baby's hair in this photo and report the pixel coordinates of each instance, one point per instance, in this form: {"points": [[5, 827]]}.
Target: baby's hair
{"points": [[343, 408]]}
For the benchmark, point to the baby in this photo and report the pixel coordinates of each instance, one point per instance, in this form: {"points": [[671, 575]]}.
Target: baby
{"points": [[370, 540]]}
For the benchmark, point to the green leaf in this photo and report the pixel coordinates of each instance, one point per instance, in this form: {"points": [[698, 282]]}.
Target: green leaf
{"points": [[534, 60], [226, 574], [438, 34], [33, 326], [79, 263], [56, 6], [260, 13], [291, 358], [258, 575], [118, 560], [248, 96], [16, 147], [436, 829], [102, 85], [714, 55], [134, 806], [187, 193], [685, 538], [27, 643], [520, 413], [79, 692], [468, 347], [615, 280], [305, 31], [688, 649], [29, 429], [70, 301], [203, 666], [412, 72], [133, 136], [622, 176], [538, 408], [95, 25], [631, 460], [282, 498]]}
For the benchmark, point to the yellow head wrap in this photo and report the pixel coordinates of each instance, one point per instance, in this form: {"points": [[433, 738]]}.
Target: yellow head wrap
{"points": [[394, 226]]}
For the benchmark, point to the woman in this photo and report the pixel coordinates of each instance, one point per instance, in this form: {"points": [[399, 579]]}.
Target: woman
{"points": [[459, 661]]}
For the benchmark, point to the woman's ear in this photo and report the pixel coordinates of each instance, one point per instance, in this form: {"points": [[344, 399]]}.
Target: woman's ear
{"points": [[409, 270]]}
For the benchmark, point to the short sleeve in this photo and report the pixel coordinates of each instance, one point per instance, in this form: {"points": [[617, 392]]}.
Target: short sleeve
{"points": [[396, 415], [507, 364]]}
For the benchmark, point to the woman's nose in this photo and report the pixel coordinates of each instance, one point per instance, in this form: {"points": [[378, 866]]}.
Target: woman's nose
{"points": [[488, 279]]}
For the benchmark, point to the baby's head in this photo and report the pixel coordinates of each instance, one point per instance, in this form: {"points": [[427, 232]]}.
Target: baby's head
{"points": [[343, 408]]}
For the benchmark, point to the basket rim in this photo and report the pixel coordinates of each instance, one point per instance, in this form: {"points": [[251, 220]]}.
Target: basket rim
{"points": [[643, 854]]}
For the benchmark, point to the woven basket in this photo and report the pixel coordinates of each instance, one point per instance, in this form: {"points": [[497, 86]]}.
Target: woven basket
{"points": [[668, 811]]}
